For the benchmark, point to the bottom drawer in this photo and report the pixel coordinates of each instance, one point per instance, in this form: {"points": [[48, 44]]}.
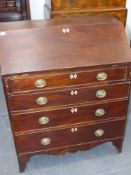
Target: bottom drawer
{"points": [[69, 136]]}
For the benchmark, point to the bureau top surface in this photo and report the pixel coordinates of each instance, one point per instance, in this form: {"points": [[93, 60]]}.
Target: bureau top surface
{"points": [[42, 46]]}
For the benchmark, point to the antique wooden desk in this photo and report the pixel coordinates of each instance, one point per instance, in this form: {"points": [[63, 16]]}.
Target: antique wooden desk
{"points": [[66, 83]]}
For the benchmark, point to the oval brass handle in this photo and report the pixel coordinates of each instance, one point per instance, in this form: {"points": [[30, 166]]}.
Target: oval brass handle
{"points": [[101, 94], [102, 76], [100, 112], [99, 133], [74, 130], [43, 120], [45, 141], [40, 83], [41, 100]]}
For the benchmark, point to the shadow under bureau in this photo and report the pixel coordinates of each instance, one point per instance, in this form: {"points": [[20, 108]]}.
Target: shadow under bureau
{"points": [[66, 83]]}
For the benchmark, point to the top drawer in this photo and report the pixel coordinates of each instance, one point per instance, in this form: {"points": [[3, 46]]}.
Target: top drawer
{"points": [[47, 81]]}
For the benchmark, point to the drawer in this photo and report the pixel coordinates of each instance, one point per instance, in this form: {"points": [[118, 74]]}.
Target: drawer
{"points": [[47, 81], [71, 115], [67, 96], [69, 136]]}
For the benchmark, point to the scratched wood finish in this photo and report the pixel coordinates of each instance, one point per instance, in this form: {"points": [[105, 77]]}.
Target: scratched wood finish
{"points": [[65, 117], [65, 97], [76, 77], [64, 137]]}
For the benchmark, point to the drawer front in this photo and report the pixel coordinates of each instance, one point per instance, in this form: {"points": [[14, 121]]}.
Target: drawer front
{"points": [[71, 115], [47, 81], [69, 136], [67, 96]]}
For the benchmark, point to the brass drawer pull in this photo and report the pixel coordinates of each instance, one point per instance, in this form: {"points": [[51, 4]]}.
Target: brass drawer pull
{"points": [[41, 100], [74, 130], [100, 112], [102, 76], [45, 141], [99, 133], [66, 30], [40, 83], [43, 120], [101, 94]]}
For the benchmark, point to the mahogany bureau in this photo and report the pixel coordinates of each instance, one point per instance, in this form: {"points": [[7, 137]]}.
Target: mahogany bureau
{"points": [[66, 83]]}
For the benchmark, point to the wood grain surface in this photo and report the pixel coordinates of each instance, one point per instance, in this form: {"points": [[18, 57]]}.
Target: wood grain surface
{"points": [[65, 8], [26, 122], [83, 4], [62, 79], [64, 97], [48, 48], [64, 137]]}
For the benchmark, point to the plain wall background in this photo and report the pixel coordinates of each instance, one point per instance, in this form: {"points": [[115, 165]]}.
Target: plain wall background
{"points": [[37, 11], [37, 8]]}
